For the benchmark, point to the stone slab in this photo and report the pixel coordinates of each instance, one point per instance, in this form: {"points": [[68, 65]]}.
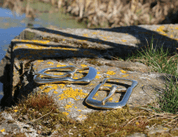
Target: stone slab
{"points": [[39, 48]]}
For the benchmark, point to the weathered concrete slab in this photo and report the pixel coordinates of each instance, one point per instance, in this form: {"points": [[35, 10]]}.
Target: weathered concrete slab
{"points": [[39, 48]]}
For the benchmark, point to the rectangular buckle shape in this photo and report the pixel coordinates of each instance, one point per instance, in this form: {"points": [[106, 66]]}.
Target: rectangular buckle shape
{"points": [[66, 78], [103, 104]]}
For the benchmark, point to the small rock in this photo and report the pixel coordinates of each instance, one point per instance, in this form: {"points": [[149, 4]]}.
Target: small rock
{"points": [[158, 129], [25, 117]]}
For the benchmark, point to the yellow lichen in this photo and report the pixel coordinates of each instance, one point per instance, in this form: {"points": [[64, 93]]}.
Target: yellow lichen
{"points": [[50, 63], [107, 85], [83, 65], [35, 41], [171, 36], [97, 76], [72, 93], [2, 130], [94, 33], [123, 71], [65, 113], [61, 65], [68, 106], [111, 72], [125, 75], [160, 29], [96, 94], [85, 35], [55, 92], [15, 110], [123, 40], [62, 85]]}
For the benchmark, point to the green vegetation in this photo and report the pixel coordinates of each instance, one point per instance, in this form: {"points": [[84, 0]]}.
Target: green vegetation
{"points": [[161, 61]]}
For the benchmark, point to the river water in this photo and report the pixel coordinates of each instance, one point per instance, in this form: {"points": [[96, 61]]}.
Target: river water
{"points": [[12, 24]]}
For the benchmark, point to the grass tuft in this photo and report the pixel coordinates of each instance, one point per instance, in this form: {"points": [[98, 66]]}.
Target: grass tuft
{"points": [[161, 61]]}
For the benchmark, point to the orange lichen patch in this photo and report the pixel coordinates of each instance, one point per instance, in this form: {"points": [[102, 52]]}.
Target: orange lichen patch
{"points": [[82, 40], [111, 72], [68, 106], [160, 29], [110, 99], [125, 75], [79, 110], [75, 107], [63, 40], [46, 90], [176, 28], [70, 37], [80, 116], [65, 113], [83, 65], [61, 65], [50, 63], [164, 34], [107, 85], [98, 72], [91, 84], [35, 41], [123, 71], [171, 36], [97, 76], [105, 37], [62, 85], [33, 46], [123, 40], [55, 92], [72, 93], [85, 35], [2, 130], [15, 110], [96, 95], [47, 87], [39, 61], [94, 33]]}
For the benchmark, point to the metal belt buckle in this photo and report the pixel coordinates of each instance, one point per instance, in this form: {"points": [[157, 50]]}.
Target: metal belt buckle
{"points": [[42, 77], [103, 104]]}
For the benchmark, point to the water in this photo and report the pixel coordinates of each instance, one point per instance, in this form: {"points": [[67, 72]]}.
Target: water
{"points": [[12, 24]]}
